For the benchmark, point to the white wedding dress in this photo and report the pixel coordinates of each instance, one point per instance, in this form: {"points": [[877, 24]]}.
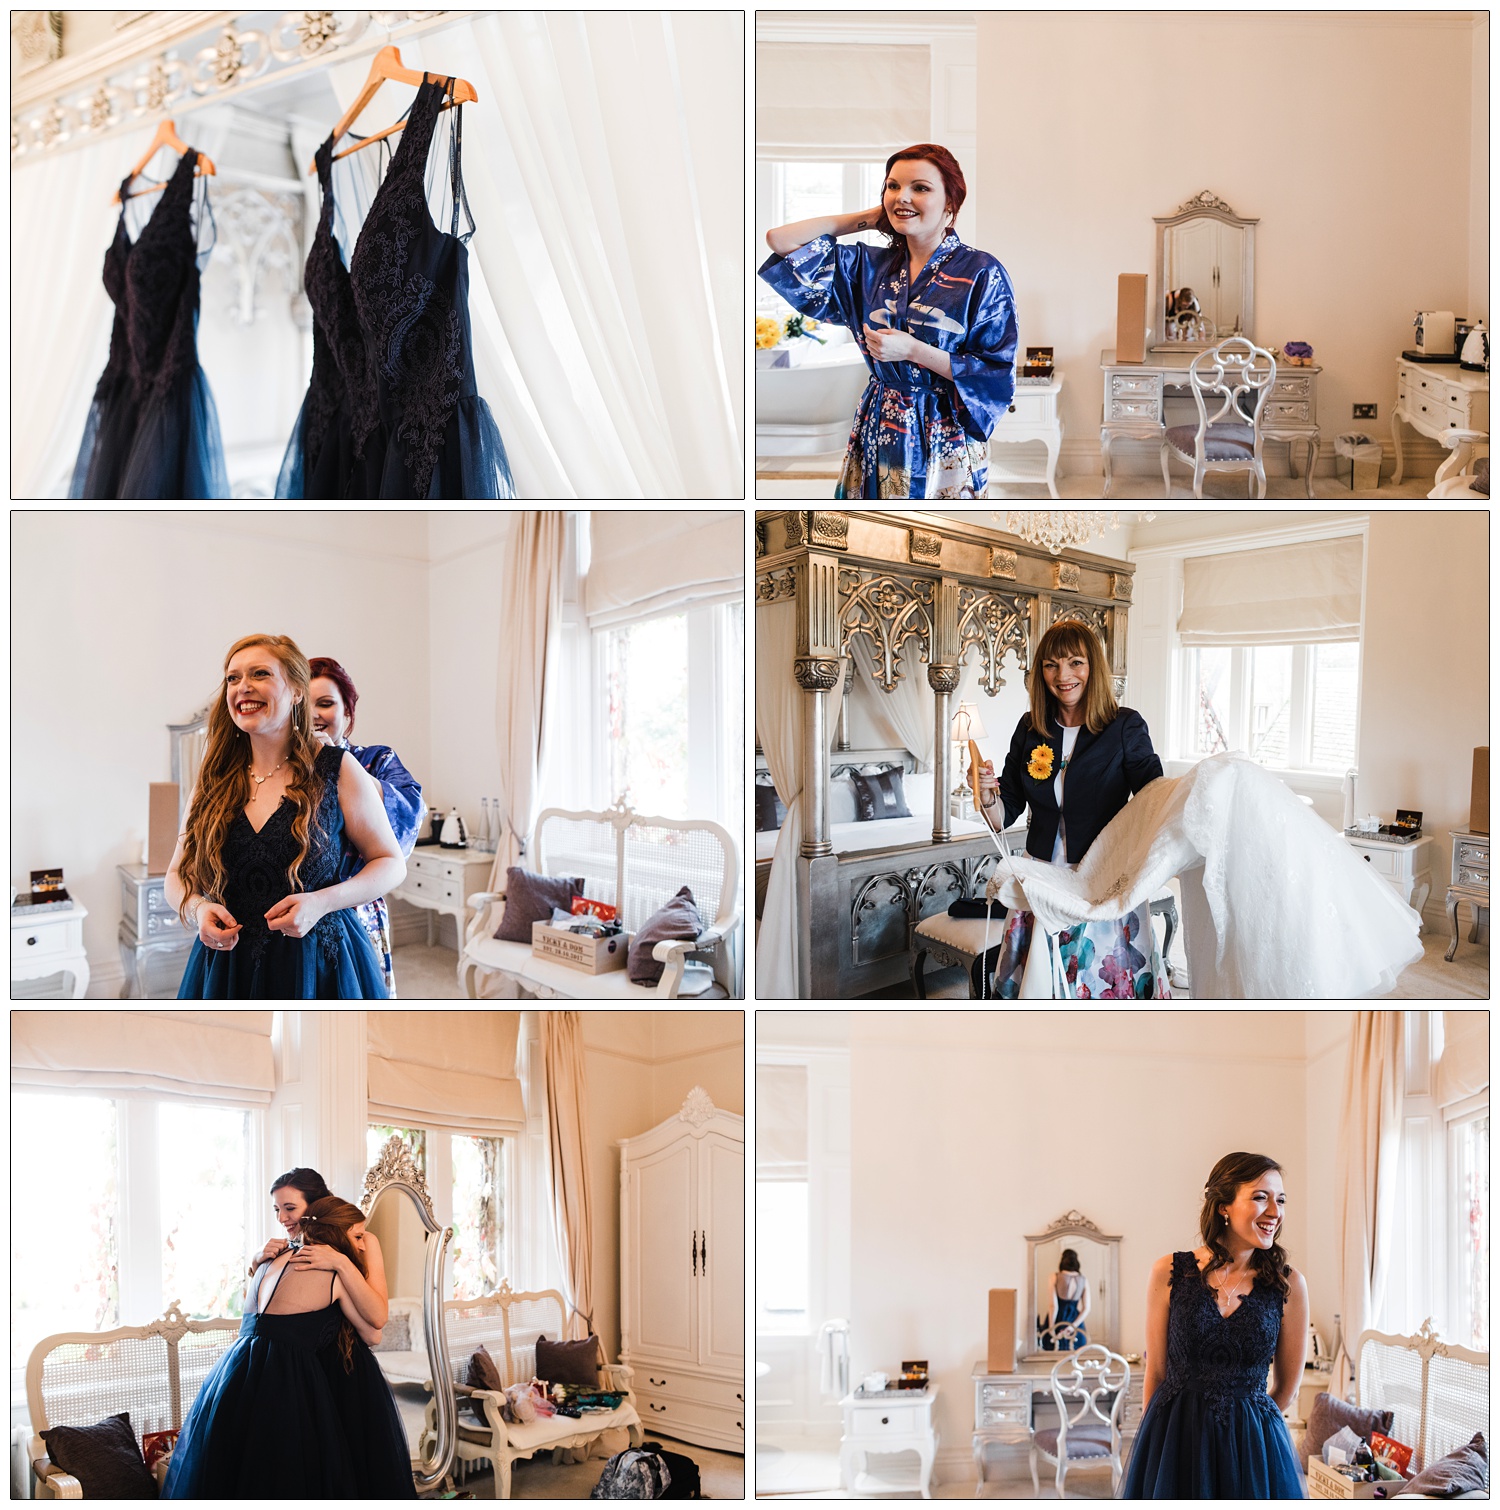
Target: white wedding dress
{"points": [[1275, 904]]}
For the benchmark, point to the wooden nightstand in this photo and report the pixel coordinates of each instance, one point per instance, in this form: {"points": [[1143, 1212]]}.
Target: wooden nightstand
{"points": [[1469, 881]]}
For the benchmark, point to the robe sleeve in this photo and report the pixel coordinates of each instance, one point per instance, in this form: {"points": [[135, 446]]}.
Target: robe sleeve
{"points": [[819, 280], [399, 790], [984, 366]]}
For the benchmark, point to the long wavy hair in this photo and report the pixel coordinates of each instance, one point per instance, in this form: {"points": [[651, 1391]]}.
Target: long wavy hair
{"points": [[1070, 637], [1225, 1181], [224, 778], [328, 1221]]}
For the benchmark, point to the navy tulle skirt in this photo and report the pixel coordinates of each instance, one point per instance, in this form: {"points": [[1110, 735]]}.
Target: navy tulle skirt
{"points": [[372, 1424], [336, 962], [1193, 1448], [265, 1424]]}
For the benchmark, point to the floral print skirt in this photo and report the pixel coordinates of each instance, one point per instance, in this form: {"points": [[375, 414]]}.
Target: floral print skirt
{"points": [[1113, 960], [375, 917]]}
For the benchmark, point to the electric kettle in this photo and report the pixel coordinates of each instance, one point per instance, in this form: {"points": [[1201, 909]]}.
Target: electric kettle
{"points": [[1475, 356], [454, 835]]}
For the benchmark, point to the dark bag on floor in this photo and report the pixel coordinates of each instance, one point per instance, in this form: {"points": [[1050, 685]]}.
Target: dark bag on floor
{"points": [[633, 1475], [684, 1482]]}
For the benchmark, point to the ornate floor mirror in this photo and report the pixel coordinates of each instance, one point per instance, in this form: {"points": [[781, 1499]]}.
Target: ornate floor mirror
{"points": [[399, 1212]]}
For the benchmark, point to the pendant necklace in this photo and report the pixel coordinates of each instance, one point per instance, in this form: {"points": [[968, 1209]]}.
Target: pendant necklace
{"points": [[260, 781]]}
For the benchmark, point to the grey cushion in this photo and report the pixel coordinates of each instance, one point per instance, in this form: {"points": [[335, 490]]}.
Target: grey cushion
{"points": [[1329, 1415], [769, 812], [1481, 482], [105, 1459], [1089, 1441], [1464, 1471], [395, 1335], [530, 898], [880, 796], [483, 1374], [679, 919], [568, 1362], [1225, 441]]}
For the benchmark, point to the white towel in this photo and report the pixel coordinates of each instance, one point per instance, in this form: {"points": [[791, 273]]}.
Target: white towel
{"points": [[833, 1358]]}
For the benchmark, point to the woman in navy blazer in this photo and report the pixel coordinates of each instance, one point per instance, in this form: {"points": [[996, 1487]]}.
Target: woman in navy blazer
{"points": [[1076, 758]]}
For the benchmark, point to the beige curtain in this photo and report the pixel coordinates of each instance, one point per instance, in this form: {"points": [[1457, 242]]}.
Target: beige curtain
{"points": [[568, 1136], [530, 604], [1369, 1168]]}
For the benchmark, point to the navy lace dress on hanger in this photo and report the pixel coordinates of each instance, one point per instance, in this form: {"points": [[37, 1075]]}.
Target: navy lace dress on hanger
{"points": [[336, 961], [1211, 1430], [153, 430], [392, 410]]}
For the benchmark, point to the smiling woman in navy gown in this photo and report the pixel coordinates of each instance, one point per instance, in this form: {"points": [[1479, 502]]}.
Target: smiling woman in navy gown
{"points": [[1218, 1318], [255, 873]]}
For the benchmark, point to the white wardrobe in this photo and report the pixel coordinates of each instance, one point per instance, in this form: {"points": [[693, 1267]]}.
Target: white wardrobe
{"points": [[682, 1274]]}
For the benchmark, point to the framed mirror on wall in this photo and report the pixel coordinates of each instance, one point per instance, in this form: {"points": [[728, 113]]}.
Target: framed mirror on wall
{"points": [[414, 1245], [1073, 1286], [1205, 275]]}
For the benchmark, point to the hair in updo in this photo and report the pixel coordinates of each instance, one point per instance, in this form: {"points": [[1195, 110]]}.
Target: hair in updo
{"points": [[1227, 1178], [955, 190], [1069, 1261], [323, 665], [308, 1183]]}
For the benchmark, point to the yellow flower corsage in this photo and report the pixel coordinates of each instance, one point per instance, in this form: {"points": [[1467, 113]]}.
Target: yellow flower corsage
{"points": [[1040, 767]]}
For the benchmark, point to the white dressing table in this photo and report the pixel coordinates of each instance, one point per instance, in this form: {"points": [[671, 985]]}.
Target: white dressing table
{"points": [[1434, 398]]}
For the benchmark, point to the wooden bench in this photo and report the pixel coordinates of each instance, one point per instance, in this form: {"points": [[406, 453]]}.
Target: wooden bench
{"points": [[152, 1371], [507, 1324], [636, 864]]}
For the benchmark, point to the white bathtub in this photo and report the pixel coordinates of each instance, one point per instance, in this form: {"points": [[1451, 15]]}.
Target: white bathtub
{"points": [[809, 409]]}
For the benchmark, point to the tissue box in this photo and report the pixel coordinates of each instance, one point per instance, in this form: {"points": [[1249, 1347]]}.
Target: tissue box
{"points": [[1325, 1483], [580, 951]]}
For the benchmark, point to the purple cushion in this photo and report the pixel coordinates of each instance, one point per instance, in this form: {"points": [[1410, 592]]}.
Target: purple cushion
{"points": [[104, 1458], [679, 919], [1091, 1441], [1464, 1470], [1225, 441], [568, 1362], [1329, 1414], [530, 898]]}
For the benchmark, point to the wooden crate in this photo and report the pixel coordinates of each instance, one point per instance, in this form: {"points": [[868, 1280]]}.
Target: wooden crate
{"points": [[1324, 1484], [591, 956]]}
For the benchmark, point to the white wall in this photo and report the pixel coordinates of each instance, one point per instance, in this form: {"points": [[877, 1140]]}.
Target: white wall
{"points": [[1087, 130]]}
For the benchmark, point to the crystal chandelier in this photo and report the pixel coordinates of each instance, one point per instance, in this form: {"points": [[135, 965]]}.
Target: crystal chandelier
{"points": [[1058, 529]]}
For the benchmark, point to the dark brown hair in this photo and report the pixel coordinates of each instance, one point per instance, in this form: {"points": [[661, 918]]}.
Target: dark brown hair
{"points": [[1069, 1261], [328, 1221], [308, 1183], [955, 190], [1070, 637], [1227, 1178]]}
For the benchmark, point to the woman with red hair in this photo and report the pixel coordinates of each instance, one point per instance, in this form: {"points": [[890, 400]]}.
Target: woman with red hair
{"points": [[936, 322], [333, 697]]}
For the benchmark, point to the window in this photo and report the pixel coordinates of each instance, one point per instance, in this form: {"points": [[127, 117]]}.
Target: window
{"points": [[672, 704], [415, 1138], [1289, 707], [203, 1154], [799, 190], [478, 1250], [782, 1260]]}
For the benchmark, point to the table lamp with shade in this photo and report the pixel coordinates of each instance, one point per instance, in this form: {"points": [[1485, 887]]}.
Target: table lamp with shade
{"points": [[966, 725]]}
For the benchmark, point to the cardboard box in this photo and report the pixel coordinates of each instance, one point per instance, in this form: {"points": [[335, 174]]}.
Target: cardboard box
{"points": [[1479, 793], [1001, 1358], [593, 956], [1130, 319], [162, 828]]}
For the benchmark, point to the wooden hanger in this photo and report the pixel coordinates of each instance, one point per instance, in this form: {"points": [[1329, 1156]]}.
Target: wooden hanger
{"points": [[387, 65], [166, 136]]}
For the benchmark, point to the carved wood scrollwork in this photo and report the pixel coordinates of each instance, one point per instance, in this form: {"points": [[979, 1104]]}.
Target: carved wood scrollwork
{"points": [[865, 911], [888, 611], [760, 537], [923, 548], [776, 585], [1096, 616], [1067, 576], [816, 675], [925, 885], [996, 622]]}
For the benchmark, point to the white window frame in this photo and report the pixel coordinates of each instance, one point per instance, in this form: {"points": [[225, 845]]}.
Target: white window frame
{"points": [[863, 181]]}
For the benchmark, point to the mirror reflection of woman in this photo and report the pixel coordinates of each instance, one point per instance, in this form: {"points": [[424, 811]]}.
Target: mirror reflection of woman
{"points": [[1219, 1318], [1071, 1302], [934, 319], [334, 697], [289, 1406], [255, 872]]}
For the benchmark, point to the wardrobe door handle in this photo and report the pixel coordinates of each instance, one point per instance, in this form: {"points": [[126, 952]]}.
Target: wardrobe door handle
{"points": [[695, 1252], [705, 1254]]}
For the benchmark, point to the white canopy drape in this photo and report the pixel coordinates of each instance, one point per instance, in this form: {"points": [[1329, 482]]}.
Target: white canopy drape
{"points": [[908, 709]]}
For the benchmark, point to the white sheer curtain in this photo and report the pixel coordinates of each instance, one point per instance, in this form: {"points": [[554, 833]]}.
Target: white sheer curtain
{"points": [[908, 709], [779, 703], [62, 222], [1369, 1171], [602, 164]]}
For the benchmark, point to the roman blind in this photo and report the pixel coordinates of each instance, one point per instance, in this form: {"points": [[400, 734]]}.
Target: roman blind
{"points": [[223, 1057], [829, 102], [1284, 594], [449, 1069], [645, 561], [780, 1122], [1464, 1068]]}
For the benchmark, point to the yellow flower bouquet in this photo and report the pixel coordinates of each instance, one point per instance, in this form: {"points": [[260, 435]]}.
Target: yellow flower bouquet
{"points": [[1040, 766], [767, 332]]}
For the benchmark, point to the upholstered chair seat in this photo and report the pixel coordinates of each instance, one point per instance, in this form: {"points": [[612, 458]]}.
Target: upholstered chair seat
{"points": [[1224, 442]]}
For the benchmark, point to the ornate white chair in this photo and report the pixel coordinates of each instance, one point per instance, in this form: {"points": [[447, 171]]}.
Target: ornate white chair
{"points": [[1090, 1436], [1438, 1391], [1458, 473], [1229, 440]]}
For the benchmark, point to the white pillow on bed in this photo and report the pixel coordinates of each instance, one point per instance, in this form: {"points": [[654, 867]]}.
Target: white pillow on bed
{"points": [[918, 788], [841, 807]]}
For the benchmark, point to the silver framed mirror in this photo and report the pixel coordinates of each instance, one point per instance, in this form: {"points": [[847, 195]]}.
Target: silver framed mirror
{"points": [[1098, 1257], [1205, 275], [189, 741], [398, 1210]]}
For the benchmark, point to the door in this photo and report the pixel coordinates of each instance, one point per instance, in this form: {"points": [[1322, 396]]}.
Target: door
{"points": [[722, 1219], [660, 1300]]}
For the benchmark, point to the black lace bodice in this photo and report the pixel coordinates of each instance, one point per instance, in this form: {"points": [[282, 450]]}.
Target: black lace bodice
{"points": [[256, 863], [1222, 1359]]}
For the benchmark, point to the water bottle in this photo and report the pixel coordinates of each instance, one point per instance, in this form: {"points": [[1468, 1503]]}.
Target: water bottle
{"points": [[484, 823]]}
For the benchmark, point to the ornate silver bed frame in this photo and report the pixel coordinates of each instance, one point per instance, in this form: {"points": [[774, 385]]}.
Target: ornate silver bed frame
{"points": [[909, 583]]}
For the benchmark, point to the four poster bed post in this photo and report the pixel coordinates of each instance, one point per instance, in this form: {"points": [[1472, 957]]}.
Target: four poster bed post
{"points": [[919, 590]]}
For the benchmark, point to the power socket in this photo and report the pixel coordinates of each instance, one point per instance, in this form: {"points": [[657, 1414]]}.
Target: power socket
{"points": [[1364, 411]]}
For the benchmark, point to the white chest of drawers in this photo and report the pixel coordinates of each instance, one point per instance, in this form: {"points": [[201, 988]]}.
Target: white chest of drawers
{"points": [[1033, 415], [892, 1422], [1405, 868], [1469, 881], [438, 880], [1434, 398], [51, 943]]}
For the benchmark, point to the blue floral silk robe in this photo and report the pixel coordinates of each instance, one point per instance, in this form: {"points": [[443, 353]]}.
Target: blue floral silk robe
{"points": [[401, 793], [916, 434]]}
